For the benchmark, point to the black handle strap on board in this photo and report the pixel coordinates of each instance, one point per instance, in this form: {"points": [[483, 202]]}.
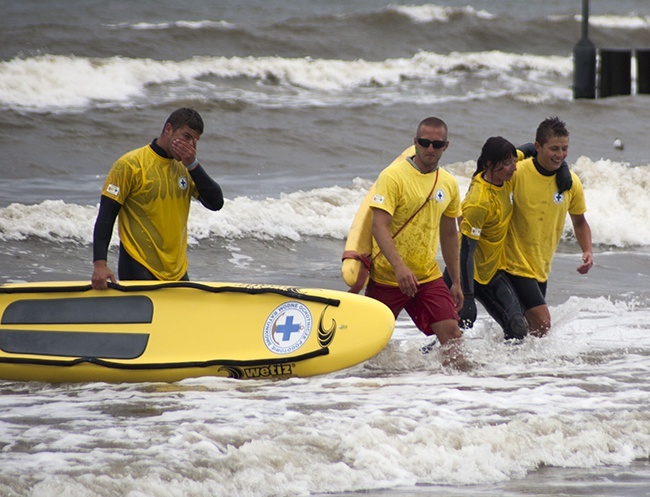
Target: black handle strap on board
{"points": [[293, 293], [168, 365]]}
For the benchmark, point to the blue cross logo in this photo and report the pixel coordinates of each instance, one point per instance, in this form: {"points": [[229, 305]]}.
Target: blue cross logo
{"points": [[183, 183], [287, 328]]}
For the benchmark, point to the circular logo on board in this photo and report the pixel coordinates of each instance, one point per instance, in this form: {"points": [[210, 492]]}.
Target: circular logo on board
{"points": [[287, 328]]}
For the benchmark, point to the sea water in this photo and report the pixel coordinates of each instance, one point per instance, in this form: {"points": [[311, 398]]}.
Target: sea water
{"points": [[304, 104]]}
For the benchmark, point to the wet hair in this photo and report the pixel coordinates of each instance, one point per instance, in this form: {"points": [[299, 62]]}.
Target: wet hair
{"points": [[432, 122], [186, 116], [496, 149], [549, 128]]}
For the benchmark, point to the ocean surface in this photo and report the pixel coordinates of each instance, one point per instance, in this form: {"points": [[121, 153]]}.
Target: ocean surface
{"points": [[304, 103]]}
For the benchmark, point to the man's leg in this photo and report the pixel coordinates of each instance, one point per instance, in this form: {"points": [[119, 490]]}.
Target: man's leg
{"points": [[446, 330], [434, 313], [391, 297], [532, 295], [129, 269], [539, 320], [500, 301]]}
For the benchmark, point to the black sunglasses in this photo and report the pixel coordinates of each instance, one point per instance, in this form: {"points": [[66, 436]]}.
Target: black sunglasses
{"points": [[436, 143]]}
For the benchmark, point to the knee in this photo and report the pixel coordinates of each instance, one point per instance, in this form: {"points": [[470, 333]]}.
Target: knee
{"points": [[539, 320], [446, 330], [540, 327], [517, 328]]}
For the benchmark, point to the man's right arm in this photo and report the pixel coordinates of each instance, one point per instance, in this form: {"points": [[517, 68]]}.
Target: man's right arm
{"points": [[102, 233], [406, 280]]}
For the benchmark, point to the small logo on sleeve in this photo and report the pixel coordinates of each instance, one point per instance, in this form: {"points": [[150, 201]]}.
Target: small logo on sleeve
{"points": [[378, 199], [113, 190]]}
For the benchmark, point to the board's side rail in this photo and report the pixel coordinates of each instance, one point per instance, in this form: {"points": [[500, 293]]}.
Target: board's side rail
{"points": [[252, 289], [169, 365]]}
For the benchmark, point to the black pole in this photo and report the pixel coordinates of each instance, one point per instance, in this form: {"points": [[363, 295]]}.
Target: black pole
{"points": [[584, 61]]}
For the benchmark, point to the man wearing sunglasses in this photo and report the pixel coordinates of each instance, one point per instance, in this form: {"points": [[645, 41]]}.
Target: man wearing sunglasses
{"points": [[415, 207]]}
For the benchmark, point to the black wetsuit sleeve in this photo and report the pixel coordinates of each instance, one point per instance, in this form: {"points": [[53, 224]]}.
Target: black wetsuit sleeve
{"points": [[108, 210], [209, 190], [563, 178], [528, 149], [467, 247]]}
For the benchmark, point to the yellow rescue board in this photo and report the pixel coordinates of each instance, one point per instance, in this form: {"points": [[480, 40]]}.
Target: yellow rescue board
{"points": [[358, 246], [168, 331]]}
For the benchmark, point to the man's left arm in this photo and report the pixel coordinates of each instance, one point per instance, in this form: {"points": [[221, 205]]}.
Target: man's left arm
{"points": [[210, 194], [209, 190], [583, 235], [450, 254]]}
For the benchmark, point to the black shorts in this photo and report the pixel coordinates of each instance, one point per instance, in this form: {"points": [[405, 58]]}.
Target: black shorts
{"points": [[500, 300], [531, 292], [130, 269]]}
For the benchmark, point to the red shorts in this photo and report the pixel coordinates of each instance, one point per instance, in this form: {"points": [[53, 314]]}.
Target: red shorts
{"points": [[432, 303]]}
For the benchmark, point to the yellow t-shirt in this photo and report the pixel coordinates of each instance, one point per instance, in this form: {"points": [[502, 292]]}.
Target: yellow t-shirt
{"points": [[155, 195], [538, 220], [400, 190], [487, 210]]}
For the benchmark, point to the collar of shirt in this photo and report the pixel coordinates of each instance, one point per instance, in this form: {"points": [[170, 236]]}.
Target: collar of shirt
{"points": [[158, 149]]}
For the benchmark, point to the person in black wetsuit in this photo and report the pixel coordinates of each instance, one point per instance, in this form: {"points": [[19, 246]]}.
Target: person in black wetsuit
{"points": [[149, 190], [487, 209]]}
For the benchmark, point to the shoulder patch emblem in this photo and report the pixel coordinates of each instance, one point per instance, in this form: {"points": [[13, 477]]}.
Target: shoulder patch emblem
{"points": [[476, 231], [558, 198], [182, 182], [378, 199], [113, 190], [439, 195]]}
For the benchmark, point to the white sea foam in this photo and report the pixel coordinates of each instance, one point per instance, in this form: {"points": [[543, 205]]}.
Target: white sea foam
{"points": [[617, 202], [419, 14], [575, 399], [49, 220], [177, 24], [631, 21], [430, 13], [69, 83]]}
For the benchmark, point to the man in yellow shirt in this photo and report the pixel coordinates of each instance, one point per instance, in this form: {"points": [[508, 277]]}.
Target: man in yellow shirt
{"points": [[150, 189], [537, 223], [415, 207]]}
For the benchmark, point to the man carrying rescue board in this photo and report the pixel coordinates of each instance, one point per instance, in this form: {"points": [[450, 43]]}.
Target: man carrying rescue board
{"points": [[414, 207]]}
